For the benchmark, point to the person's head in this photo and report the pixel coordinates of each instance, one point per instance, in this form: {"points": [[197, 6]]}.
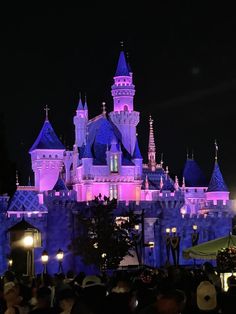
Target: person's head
{"points": [[206, 296], [11, 291], [169, 302], [43, 296], [66, 299]]}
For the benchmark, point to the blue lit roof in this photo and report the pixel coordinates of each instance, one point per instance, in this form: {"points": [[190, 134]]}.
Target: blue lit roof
{"points": [[101, 134], [47, 139], [60, 185], [26, 199], [80, 105], [217, 182], [137, 154], [193, 175], [122, 67], [154, 179]]}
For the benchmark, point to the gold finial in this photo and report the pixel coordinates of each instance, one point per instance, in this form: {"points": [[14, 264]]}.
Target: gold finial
{"points": [[122, 44], [150, 121], [187, 154], [104, 108], [216, 150], [17, 179], [46, 110], [192, 155]]}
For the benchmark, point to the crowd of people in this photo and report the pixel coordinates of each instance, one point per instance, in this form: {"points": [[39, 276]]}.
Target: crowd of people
{"points": [[171, 290]]}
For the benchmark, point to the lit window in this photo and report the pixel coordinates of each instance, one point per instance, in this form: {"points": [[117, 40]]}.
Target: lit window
{"points": [[114, 163], [113, 192]]}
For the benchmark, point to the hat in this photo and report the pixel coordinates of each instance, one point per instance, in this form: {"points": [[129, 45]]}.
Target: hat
{"points": [[90, 281], [8, 286], [206, 296]]}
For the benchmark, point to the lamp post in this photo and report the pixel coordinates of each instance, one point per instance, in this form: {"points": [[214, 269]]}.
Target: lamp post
{"points": [[44, 259], [60, 256], [28, 242], [174, 242], [195, 238], [167, 242], [195, 235]]}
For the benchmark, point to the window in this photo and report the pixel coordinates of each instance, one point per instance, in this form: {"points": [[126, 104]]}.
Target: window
{"points": [[114, 163], [113, 192]]}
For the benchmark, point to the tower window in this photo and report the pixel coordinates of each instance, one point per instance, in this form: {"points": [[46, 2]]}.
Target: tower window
{"points": [[114, 163]]}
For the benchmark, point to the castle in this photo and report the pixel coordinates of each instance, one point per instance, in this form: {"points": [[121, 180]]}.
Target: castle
{"points": [[106, 159]]}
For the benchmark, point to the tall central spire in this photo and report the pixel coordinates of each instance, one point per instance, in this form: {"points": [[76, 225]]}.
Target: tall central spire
{"points": [[151, 147]]}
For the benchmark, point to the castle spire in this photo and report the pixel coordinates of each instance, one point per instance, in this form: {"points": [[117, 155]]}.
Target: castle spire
{"points": [[176, 185], [104, 108], [151, 147], [80, 104], [216, 151], [46, 111], [17, 179], [85, 102], [122, 66]]}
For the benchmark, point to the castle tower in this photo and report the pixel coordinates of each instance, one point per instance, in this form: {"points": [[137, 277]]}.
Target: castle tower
{"points": [[137, 160], [80, 122], [217, 189], [151, 147], [46, 157], [123, 116]]}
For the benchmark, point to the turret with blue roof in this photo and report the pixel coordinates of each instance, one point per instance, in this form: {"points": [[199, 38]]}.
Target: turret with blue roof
{"points": [[194, 176], [47, 138], [123, 69], [217, 187]]}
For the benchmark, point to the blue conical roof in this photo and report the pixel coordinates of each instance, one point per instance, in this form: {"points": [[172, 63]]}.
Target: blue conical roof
{"points": [[137, 154], [217, 182], [47, 139], [122, 67], [193, 174], [60, 185], [80, 105]]}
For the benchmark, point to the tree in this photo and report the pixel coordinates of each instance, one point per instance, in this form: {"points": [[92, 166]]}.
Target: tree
{"points": [[103, 240]]}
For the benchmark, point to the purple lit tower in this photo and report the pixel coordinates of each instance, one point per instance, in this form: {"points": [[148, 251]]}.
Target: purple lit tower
{"points": [[105, 159]]}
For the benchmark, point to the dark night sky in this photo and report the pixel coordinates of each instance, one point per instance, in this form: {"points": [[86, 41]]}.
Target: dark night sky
{"points": [[183, 59]]}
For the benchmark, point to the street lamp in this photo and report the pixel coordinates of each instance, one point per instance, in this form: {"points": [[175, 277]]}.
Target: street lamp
{"points": [[167, 242], [195, 235], [60, 256], [28, 243], [174, 242], [44, 259], [195, 238]]}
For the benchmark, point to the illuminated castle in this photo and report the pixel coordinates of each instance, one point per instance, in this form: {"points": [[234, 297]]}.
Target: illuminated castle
{"points": [[106, 160]]}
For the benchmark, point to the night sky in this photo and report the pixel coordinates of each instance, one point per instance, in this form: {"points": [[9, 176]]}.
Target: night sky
{"points": [[184, 64]]}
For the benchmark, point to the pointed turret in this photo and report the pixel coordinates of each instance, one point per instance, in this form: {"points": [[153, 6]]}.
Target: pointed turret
{"points": [[47, 155], [194, 176], [85, 103], [80, 104], [123, 115], [151, 147], [122, 66], [217, 182], [217, 189], [80, 122], [146, 183], [47, 139]]}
